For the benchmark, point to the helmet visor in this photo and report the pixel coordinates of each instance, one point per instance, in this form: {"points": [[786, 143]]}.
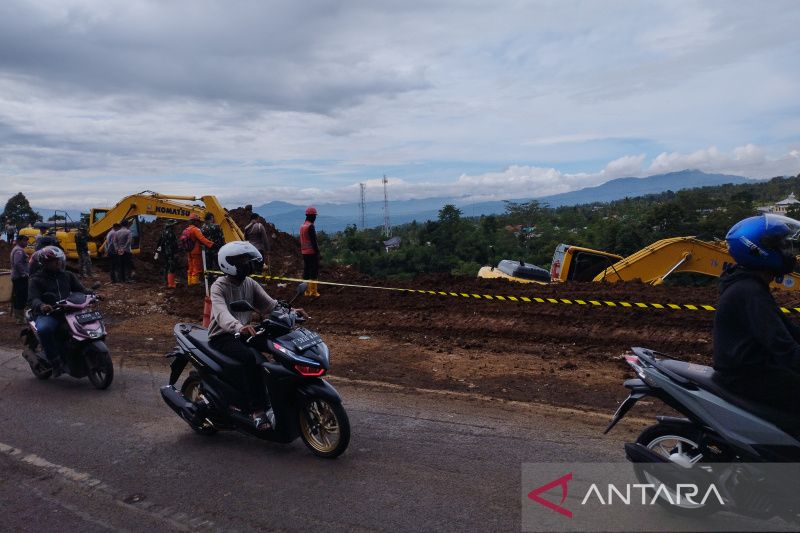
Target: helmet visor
{"points": [[782, 226]]}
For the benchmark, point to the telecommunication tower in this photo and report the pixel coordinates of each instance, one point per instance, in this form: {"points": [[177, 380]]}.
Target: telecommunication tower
{"points": [[363, 206], [387, 228]]}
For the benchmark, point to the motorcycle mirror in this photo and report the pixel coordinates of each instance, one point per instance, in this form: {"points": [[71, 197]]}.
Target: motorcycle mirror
{"points": [[241, 306], [300, 290]]}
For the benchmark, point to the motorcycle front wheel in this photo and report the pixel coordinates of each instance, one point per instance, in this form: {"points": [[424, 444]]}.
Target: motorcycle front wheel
{"points": [[324, 427], [101, 369]]}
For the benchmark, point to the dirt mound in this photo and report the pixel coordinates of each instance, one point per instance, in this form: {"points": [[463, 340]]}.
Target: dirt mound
{"points": [[284, 258]]}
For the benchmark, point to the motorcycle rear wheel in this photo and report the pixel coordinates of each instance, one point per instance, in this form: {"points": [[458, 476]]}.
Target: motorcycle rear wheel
{"points": [[191, 391], [678, 444], [101, 370], [41, 372], [324, 427]]}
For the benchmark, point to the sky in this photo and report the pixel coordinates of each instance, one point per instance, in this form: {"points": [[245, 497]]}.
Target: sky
{"points": [[255, 101]]}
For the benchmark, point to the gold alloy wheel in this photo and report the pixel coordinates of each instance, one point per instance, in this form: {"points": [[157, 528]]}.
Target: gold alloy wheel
{"points": [[320, 426]]}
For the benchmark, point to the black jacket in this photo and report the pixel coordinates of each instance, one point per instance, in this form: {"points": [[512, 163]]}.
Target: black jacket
{"points": [[750, 330], [60, 284]]}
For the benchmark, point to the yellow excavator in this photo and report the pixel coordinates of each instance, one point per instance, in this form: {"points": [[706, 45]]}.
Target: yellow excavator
{"points": [[146, 203], [652, 264]]}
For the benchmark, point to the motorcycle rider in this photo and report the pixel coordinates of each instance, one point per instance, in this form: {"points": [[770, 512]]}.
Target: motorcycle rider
{"points": [[756, 348], [51, 278], [239, 259]]}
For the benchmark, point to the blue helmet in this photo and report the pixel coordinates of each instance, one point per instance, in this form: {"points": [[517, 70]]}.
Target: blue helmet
{"points": [[764, 242]]}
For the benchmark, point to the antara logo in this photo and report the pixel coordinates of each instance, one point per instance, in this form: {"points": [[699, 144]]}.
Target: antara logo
{"points": [[562, 482], [173, 211], [626, 494]]}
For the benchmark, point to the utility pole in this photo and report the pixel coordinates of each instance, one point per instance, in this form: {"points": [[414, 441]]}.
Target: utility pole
{"points": [[363, 206], [387, 229]]}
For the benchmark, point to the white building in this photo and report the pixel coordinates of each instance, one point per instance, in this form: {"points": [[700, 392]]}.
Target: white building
{"points": [[781, 207]]}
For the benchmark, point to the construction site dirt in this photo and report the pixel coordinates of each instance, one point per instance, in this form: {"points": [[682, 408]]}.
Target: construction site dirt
{"points": [[557, 353]]}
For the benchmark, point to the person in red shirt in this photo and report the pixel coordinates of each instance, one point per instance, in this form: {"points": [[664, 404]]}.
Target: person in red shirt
{"points": [[310, 251], [195, 255]]}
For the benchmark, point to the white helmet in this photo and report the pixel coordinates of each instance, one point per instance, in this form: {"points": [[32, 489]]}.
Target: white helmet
{"points": [[40, 257], [240, 259]]}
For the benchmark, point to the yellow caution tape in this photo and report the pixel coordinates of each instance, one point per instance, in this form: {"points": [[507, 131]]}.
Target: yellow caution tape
{"points": [[505, 298]]}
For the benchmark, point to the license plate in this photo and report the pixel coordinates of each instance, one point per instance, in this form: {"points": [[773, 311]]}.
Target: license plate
{"points": [[85, 318], [307, 341]]}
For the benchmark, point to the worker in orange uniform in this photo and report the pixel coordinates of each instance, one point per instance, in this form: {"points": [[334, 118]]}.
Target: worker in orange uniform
{"points": [[193, 240], [310, 251]]}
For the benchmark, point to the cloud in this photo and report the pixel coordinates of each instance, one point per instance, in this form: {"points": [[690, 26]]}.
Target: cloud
{"points": [[301, 101]]}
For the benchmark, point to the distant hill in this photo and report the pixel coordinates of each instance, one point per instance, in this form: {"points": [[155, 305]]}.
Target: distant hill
{"points": [[335, 217], [630, 187]]}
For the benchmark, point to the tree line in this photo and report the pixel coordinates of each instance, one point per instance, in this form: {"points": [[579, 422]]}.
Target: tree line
{"points": [[530, 231]]}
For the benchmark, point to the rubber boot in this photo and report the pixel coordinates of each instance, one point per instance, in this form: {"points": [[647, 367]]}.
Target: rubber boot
{"points": [[171, 281], [313, 287], [309, 290]]}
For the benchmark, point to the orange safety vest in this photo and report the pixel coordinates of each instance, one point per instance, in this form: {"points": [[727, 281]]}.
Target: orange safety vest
{"points": [[306, 247]]}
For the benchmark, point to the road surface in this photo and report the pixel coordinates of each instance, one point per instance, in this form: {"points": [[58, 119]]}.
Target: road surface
{"points": [[73, 458]]}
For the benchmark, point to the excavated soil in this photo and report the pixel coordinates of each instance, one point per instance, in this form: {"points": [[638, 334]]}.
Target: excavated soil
{"points": [[563, 354]]}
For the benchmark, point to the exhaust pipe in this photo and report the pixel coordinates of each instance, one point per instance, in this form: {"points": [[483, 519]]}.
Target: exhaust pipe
{"points": [[178, 403]]}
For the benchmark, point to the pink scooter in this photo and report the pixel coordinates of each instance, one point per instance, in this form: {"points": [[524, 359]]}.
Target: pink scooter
{"points": [[82, 338]]}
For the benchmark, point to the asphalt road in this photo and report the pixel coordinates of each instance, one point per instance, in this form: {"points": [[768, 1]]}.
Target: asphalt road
{"points": [[73, 458]]}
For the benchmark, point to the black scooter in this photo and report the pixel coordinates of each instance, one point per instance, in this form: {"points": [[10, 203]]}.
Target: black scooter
{"points": [[303, 404], [741, 445]]}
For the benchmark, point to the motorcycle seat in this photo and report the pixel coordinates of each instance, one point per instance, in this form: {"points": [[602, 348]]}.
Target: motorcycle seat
{"points": [[706, 378], [199, 338]]}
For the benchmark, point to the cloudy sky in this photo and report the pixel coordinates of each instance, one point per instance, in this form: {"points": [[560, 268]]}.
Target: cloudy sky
{"points": [[300, 101]]}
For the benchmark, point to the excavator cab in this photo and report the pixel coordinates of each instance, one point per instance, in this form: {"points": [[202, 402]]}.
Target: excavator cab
{"points": [[579, 264], [98, 213]]}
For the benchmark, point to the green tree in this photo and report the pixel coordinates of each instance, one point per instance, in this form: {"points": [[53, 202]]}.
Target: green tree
{"points": [[18, 211]]}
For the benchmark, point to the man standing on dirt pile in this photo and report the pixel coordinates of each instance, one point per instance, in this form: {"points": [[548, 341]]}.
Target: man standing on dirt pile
{"points": [[310, 251], [756, 348], [166, 248], [194, 241], [122, 244], [82, 247], [111, 252], [10, 230], [256, 234], [19, 279], [213, 233]]}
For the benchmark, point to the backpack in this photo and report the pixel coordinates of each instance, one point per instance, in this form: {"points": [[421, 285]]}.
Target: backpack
{"points": [[186, 241]]}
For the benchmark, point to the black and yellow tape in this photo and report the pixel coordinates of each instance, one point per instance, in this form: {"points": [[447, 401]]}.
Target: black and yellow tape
{"points": [[506, 298]]}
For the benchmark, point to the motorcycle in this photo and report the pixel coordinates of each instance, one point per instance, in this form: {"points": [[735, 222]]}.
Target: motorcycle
{"points": [[82, 336], [722, 437], [302, 403]]}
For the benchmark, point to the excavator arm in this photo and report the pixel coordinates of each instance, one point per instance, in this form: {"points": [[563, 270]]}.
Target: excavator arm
{"points": [[654, 263], [162, 206]]}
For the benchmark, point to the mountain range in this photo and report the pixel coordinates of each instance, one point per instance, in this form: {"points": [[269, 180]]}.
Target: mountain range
{"points": [[335, 217]]}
